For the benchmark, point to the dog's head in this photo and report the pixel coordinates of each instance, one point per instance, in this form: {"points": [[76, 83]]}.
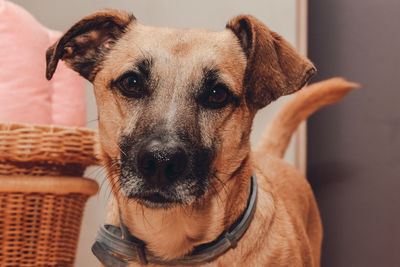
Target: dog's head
{"points": [[176, 106]]}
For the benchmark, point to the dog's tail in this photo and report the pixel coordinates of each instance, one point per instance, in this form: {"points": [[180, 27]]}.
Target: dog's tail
{"points": [[277, 135]]}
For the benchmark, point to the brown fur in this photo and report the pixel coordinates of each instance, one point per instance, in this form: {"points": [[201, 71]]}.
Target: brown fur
{"points": [[258, 66], [274, 68]]}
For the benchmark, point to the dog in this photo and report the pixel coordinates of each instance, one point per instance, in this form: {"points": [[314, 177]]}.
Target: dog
{"points": [[175, 111]]}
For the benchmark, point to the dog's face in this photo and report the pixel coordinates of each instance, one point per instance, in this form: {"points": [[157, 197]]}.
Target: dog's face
{"points": [[173, 94], [176, 106]]}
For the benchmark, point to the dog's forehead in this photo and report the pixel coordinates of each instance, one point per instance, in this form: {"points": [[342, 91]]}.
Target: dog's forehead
{"points": [[182, 42], [189, 49]]}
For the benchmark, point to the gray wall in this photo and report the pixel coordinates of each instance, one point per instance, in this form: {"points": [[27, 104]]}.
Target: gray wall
{"points": [[354, 147]]}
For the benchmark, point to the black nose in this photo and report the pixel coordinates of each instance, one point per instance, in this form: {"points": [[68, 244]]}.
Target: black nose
{"points": [[162, 162]]}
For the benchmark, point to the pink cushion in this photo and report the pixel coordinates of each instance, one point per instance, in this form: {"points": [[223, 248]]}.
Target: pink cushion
{"points": [[68, 93], [25, 94], [24, 91]]}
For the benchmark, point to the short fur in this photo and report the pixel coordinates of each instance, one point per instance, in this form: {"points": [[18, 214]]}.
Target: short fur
{"points": [[177, 68]]}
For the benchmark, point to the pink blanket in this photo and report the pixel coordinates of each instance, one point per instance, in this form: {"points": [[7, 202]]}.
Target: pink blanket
{"points": [[25, 94]]}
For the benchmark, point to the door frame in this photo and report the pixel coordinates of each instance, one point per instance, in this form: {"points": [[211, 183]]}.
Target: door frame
{"points": [[300, 137]]}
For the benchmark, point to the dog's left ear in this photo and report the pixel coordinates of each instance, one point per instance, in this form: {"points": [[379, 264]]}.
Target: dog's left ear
{"points": [[274, 68], [85, 44]]}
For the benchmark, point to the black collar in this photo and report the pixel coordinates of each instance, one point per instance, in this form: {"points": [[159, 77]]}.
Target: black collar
{"points": [[114, 251]]}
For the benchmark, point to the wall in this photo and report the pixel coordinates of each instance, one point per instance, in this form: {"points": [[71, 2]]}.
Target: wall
{"points": [[278, 15], [354, 146]]}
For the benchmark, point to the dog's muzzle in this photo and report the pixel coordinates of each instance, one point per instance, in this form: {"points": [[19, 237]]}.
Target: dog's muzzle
{"points": [[116, 246], [161, 163], [163, 170]]}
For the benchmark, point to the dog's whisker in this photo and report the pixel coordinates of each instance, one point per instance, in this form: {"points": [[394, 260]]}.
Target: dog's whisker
{"points": [[162, 218], [219, 200], [95, 174], [122, 152], [117, 145], [187, 209], [220, 182], [112, 186], [225, 173], [93, 120], [145, 221]]}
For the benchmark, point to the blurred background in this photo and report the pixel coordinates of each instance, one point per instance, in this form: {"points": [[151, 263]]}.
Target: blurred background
{"points": [[353, 148]]}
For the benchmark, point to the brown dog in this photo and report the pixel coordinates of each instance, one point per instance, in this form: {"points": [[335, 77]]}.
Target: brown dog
{"points": [[175, 114]]}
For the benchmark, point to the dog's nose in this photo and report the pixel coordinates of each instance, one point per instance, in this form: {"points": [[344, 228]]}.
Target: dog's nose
{"points": [[161, 163]]}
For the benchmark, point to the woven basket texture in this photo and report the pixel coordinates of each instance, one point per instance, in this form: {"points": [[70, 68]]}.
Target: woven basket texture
{"points": [[39, 227], [24, 149]]}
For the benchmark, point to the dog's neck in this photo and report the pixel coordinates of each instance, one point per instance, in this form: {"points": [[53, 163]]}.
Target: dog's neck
{"points": [[174, 232]]}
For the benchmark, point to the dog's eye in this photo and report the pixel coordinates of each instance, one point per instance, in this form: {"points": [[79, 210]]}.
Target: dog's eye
{"points": [[217, 97], [131, 85]]}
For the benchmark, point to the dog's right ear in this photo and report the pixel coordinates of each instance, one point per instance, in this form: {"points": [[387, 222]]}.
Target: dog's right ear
{"points": [[274, 68], [84, 46]]}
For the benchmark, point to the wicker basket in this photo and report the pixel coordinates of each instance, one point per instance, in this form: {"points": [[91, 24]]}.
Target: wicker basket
{"points": [[42, 193], [46, 150]]}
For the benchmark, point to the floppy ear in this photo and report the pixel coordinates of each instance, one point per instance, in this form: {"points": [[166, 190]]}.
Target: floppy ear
{"points": [[274, 68], [85, 44]]}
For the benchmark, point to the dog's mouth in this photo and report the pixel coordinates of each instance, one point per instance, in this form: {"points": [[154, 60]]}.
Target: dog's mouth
{"points": [[179, 194], [182, 192], [155, 198]]}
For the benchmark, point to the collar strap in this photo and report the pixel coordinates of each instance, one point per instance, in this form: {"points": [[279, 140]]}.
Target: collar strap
{"points": [[115, 246]]}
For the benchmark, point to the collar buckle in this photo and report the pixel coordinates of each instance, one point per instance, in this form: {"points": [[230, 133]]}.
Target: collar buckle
{"points": [[232, 240]]}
